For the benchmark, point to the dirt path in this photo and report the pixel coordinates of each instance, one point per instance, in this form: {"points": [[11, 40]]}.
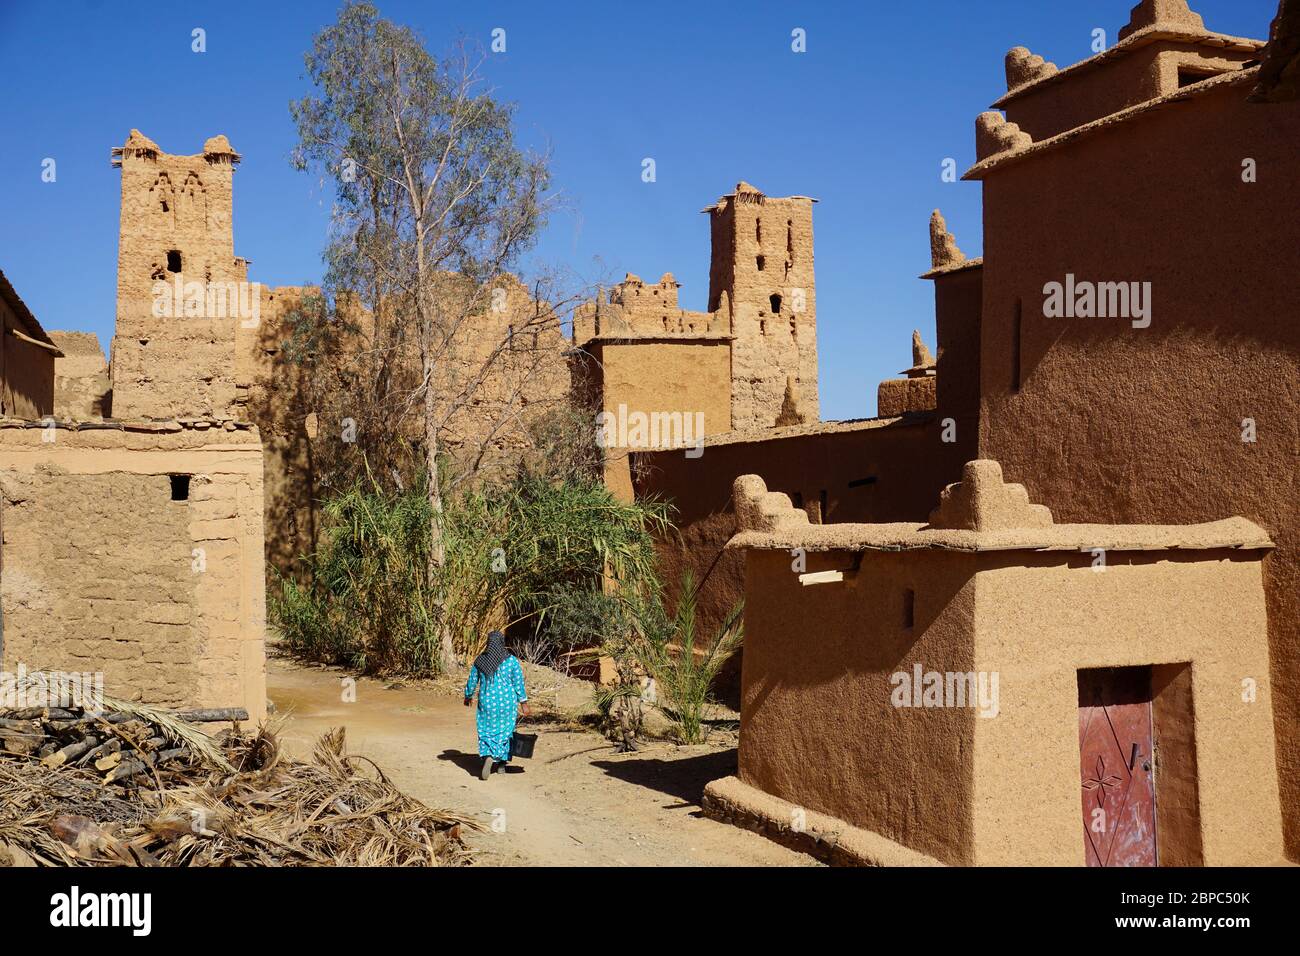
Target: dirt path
{"points": [[577, 803]]}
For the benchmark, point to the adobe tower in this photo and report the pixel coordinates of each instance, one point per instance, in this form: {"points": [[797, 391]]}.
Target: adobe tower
{"points": [[761, 274], [174, 354]]}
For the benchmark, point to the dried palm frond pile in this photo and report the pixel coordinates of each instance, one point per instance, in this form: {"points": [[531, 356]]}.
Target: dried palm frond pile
{"points": [[136, 786]]}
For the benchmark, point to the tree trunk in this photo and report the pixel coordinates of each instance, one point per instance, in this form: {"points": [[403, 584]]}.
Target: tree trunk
{"points": [[437, 547]]}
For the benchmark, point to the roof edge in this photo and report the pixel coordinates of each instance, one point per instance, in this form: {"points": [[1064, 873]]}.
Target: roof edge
{"points": [[1006, 157], [1235, 534], [34, 327], [935, 273], [1136, 40]]}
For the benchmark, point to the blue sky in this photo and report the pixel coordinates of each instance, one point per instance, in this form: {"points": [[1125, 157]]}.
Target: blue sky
{"points": [[711, 90]]}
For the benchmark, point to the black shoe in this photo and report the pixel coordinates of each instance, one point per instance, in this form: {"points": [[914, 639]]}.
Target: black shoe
{"points": [[486, 770]]}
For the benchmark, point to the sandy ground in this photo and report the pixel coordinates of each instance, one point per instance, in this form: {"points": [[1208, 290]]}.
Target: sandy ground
{"points": [[576, 803]]}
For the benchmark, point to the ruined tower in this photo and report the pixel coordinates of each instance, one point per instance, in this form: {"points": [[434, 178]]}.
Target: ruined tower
{"points": [[179, 284], [761, 276]]}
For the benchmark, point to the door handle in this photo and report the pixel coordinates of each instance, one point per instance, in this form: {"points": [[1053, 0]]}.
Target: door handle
{"points": [[1134, 753]]}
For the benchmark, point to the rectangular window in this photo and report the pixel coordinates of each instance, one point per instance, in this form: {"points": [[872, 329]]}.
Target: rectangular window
{"points": [[1187, 76]]}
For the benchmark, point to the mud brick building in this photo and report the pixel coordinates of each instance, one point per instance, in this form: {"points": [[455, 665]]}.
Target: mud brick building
{"points": [[135, 549], [1155, 423], [1161, 168], [1177, 178], [131, 511], [943, 692], [748, 362], [143, 498]]}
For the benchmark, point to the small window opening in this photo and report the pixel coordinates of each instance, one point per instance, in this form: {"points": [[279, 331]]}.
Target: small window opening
{"points": [[774, 300], [762, 326], [760, 262], [180, 487], [1186, 77], [173, 261], [758, 230], [909, 608], [789, 237]]}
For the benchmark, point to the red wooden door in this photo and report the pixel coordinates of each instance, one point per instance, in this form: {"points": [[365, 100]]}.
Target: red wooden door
{"points": [[1116, 767]]}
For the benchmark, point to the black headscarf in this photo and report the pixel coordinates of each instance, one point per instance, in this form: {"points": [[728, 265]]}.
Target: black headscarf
{"points": [[494, 656]]}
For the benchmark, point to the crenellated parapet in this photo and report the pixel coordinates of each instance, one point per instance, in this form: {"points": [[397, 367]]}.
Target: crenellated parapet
{"points": [[1025, 67], [994, 135], [1163, 13], [758, 509], [943, 247], [982, 501]]}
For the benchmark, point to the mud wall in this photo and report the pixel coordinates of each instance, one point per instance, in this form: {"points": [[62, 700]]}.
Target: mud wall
{"points": [[1113, 423], [137, 553], [1040, 618], [82, 389], [875, 470], [1120, 82], [818, 727]]}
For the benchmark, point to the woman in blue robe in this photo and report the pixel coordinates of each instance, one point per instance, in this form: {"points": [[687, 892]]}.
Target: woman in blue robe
{"points": [[499, 678]]}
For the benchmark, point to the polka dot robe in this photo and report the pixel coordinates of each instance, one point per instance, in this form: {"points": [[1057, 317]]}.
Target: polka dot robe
{"points": [[498, 706]]}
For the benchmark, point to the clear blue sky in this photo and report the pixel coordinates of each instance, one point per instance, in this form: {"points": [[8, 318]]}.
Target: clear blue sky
{"points": [[710, 90]]}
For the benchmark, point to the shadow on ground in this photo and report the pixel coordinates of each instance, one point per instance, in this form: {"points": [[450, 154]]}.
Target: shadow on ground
{"points": [[472, 763], [683, 778]]}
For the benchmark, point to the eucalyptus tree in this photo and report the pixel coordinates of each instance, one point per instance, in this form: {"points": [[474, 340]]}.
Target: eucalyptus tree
{"points": [[434, 205]]}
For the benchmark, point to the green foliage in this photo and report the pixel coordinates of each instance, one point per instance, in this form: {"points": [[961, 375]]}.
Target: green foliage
{"points": [[368, 605], [509, 544], [424, 165], [579, 614], [667, 648], [517, 553]]}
